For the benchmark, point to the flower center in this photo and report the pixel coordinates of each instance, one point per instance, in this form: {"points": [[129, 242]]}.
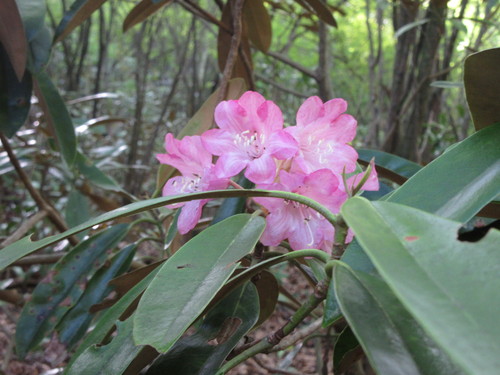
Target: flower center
{"points": [[251, 142]]}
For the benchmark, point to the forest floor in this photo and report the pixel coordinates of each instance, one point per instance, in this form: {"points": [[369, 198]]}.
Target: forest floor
{"points": [[309, 358]]}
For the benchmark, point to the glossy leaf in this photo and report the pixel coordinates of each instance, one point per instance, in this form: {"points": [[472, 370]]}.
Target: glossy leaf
{"points": [[191, 278], [481, 77], [79, 11], [12, 36], [25, 246], [458, 183], [142, 11], [112, 358], [392, 167], [345, 350], [77, 210], [58, 288], [392, 339], [202, 120], [75, 322], [268, 290], [58, 116], [15, 96], [332, 310], [258, 24], [204, 351], [444, 283], [108, 319]]}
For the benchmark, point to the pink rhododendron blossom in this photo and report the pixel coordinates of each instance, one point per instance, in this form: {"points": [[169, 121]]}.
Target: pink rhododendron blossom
{"points": [[302, 226], [195, 164], [250, 136], [323, 132]]}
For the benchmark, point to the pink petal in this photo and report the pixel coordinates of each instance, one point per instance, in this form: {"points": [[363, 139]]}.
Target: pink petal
{"points": [[303, 235], [174, 187], [192, 147], [261, 170], [231, 164], [371, 184], [190, 215], [309, 111], [334, 107], [282, 145], [271, 118], [277, 228], [231, 116], [251, 101], [344, 128], [218, 142]]}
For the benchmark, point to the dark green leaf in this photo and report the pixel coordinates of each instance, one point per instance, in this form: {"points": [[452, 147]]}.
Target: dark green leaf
{"points": [[444, 283], [345, 350], [57, 114], [15, 96], [481, 77], [33, 16], [74, 324], [233, 206], [58, 288], [107, 319], [40, 47], [391, 338], [77, 210], [191, 278], [112, 358], [386, 163], [332, 310], [204, 351]]}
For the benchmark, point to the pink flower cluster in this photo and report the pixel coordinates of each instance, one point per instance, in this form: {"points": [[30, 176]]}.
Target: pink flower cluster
{"points": [[308, 159]]}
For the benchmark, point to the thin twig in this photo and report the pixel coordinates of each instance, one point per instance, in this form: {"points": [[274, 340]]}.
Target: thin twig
{"points": [[53, 215], [299, 335], [286, 60], [233, 49], [273, 370]]}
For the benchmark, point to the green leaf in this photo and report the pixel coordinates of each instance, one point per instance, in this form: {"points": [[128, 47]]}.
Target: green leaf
{"points": [[15, 96], [79, 11], [58, 115], [444, 283], [458, 183], [233, 206], [332, 310], [191, 278], [75, 322], [58, 288], [401, 168], [108, 319], [112, 358], [392, 339], [25, 246], [204, 351], [77, 210], [481, 77], [345, 350], [33, 16], [88, 169], [39, 50]]}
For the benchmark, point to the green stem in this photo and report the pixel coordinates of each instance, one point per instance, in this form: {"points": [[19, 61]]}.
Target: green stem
{"points": [[268, 342]]}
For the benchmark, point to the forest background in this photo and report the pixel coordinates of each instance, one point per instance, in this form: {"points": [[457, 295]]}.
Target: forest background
{"points": [[130, 72]]}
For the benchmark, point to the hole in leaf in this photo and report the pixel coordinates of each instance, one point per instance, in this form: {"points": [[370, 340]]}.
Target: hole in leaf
{"points": [[478, 232]]}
